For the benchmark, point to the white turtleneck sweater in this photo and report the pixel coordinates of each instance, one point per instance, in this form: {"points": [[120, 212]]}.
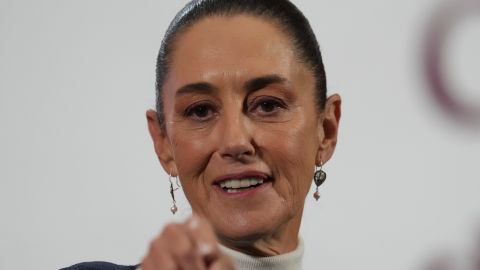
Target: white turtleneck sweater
{"points": [[288, 261]]}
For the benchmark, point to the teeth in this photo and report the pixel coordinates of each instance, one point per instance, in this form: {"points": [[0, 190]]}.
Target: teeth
{"points": [[240, 183], [235, 184]]}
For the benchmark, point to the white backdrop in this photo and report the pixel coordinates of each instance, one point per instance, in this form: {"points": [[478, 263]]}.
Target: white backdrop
{"points": [[79, 180]]}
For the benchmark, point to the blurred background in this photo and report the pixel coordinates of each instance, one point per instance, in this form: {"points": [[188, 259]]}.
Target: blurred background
{"points": [[79, 180]]}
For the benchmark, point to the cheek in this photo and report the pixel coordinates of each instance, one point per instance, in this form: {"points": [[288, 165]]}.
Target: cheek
{"points": [[192, 154], [291, 152], [187, 150], [189, 160]]}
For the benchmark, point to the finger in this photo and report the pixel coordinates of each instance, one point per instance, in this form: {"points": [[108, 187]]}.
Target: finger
{"points": [[223, 263], [157, 263], [158, 257], [147, 264], [204, 237], [179, 243]]}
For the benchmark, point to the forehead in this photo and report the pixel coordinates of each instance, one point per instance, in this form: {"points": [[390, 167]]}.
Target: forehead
{"points": [[236, 47]]}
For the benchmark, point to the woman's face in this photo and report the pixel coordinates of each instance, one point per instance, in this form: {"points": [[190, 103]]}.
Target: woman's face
{"points": [[242, 129]]}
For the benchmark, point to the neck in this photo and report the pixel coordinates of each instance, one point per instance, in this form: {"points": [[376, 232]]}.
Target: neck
{"points": [[288, 261], [283, 240]]}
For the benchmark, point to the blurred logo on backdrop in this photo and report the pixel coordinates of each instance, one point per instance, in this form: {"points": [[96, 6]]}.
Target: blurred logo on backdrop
{"points": [[468, 259], [440, 31]]}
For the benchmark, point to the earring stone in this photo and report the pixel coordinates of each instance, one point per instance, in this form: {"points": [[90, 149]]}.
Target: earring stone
{"points": [[319, 177]]}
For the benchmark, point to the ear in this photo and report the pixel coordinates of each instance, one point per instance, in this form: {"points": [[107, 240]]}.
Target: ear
{"points": [[328, 129], [161, 143]]}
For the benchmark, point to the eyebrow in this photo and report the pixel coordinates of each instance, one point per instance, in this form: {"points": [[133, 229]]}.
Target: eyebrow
{"points": [[249, 86], [261, 82], [200, 87]]}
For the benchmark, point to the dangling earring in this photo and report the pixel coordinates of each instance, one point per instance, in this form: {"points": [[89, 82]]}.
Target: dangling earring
{"points": [[318, 179], [174, 208]]}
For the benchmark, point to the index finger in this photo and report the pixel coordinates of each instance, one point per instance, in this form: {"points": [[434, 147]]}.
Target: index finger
{"points": [[204, 238]]}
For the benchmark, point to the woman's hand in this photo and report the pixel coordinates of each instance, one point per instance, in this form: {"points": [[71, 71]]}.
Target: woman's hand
{"points": [[190, 245]]}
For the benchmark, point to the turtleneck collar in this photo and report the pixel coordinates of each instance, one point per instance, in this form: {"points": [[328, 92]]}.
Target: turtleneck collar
{"points": [[288, 261]]}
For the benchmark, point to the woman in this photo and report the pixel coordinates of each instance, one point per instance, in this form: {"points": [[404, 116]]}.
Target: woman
{"points": [[244, 123]]}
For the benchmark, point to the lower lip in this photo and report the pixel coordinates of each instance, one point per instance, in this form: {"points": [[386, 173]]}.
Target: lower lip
{"points": [[245, 192]]}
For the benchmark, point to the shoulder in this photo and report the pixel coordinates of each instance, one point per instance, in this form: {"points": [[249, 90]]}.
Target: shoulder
{"points": [[99, 266]]}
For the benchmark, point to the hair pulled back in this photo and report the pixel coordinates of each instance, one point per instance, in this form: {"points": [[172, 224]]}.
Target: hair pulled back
{"points": [[282, 12]]}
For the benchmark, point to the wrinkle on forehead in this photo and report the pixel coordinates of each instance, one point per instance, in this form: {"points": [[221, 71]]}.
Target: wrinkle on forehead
{"points": [[220, 47]]}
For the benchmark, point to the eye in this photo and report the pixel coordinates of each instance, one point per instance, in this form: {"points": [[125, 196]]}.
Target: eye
{"points": [[201, 111], [267, 105]]}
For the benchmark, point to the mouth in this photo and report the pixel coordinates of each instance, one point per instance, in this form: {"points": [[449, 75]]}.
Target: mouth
{"points": [[240, 183]]}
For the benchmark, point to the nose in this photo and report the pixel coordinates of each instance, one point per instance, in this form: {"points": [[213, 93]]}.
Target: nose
{"points": [[237, 140]]}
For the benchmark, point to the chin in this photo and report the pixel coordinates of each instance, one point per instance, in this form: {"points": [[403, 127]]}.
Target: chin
{"points": [[248, 227]]}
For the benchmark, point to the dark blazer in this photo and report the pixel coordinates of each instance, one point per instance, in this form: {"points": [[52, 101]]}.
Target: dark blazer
{"points": [[99, 266]]}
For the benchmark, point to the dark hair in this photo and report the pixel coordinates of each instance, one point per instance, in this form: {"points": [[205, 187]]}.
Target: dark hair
{"points": [[284, 13]]}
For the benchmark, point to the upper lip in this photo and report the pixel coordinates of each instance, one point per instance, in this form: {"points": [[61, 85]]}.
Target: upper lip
{"points": [[242, 175]]}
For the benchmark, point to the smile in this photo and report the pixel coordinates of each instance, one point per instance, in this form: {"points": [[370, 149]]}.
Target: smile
{"points": [[238, 185], [241, 183]]}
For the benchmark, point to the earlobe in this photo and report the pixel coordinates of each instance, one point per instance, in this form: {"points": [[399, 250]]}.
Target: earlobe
{"points": [[328, 129], [161, 143]]}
